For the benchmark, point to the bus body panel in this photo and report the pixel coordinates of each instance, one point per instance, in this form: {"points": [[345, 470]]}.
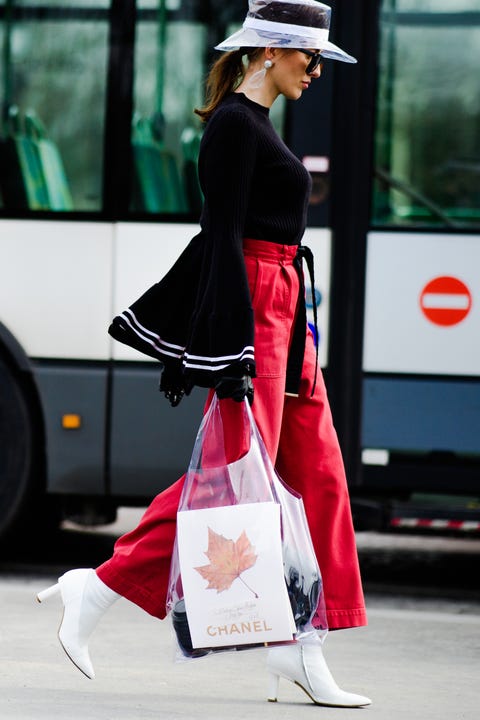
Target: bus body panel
{"points": [[75, 457], [421, 362], [56, 287], [144, 252], [404, 321], [151, 442], [423, 415]]}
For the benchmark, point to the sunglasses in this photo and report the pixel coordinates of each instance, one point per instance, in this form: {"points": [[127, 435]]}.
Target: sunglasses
{"points": [[317, 60]]}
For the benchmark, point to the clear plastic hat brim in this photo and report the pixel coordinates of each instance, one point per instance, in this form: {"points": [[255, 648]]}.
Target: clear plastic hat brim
{"points": [[249, 37]]}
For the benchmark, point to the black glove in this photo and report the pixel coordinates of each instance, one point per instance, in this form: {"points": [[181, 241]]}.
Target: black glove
{"points": [[172, 385], [237, 388]]}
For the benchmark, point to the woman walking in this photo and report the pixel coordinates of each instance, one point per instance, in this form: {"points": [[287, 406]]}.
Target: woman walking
{"points": [[230, 315]]}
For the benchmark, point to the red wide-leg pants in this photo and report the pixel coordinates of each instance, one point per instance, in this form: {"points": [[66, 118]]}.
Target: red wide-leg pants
{"points": [[300, 438]]}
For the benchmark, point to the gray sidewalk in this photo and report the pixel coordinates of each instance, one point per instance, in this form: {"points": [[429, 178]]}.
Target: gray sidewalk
{"points": [[414, 664]]}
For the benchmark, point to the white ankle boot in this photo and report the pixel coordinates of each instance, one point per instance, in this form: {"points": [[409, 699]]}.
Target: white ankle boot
{"points": [[85, 599], [305, 666]]}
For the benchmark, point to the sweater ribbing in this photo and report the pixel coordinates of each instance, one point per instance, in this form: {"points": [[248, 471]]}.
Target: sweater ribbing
{"points": [[254, 186]]}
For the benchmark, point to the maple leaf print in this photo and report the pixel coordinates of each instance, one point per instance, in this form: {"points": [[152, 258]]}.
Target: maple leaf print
{"points": [[228, 559]]}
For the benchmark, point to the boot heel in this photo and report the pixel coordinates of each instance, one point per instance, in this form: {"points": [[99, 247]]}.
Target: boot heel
{"points": [[273, 681], [48, 592]]}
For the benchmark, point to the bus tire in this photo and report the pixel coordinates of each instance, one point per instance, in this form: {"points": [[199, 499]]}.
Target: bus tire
{"points": [[21, 482]]}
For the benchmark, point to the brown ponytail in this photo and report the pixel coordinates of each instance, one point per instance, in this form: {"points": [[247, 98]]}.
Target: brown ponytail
{"points": [[225, 75]]}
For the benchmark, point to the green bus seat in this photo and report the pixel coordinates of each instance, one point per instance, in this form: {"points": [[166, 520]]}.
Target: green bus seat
{"points": [[55, 179], [23, 185], [157, 185], [32, 176]]}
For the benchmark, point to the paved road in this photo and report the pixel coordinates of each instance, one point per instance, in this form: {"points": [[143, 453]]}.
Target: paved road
{"points": [[418, 659], [414, 664]]}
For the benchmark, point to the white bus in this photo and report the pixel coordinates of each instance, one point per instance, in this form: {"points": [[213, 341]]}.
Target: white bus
{"points": [[99, 195]]}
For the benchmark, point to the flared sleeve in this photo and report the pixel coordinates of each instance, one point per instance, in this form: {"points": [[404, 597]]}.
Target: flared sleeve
{"points": [[222, 328], [198, 320]]}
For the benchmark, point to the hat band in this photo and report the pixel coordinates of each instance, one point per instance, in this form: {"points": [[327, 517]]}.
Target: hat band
{"points": [[308, 33]]}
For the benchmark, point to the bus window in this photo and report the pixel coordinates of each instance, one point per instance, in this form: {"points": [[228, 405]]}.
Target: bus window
{"points": [[427, 144], [169, 71], [52, 88], [173, 50]]}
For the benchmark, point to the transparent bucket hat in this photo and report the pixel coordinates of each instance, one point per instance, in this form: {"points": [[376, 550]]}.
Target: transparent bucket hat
{"points": [[287, 24]]}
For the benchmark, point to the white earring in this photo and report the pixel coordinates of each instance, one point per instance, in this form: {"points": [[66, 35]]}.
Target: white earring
{"points": [[256, 80]]}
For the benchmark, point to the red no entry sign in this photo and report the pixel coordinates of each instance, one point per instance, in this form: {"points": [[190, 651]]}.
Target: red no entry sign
{"points": [[445, 300]]}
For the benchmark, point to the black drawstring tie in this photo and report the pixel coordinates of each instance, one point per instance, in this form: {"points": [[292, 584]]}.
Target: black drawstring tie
{"points": [[305, 253]]}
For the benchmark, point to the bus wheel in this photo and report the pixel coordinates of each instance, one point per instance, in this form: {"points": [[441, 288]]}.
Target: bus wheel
{"points": [[16, 451]]}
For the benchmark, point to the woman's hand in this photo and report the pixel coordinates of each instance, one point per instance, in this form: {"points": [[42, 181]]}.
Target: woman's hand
{"points": [[235, 387], [172, 385]]}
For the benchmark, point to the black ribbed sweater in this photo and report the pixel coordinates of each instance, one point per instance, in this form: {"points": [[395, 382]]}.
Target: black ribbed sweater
{"points": [[253, 185], [198, 320]]}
